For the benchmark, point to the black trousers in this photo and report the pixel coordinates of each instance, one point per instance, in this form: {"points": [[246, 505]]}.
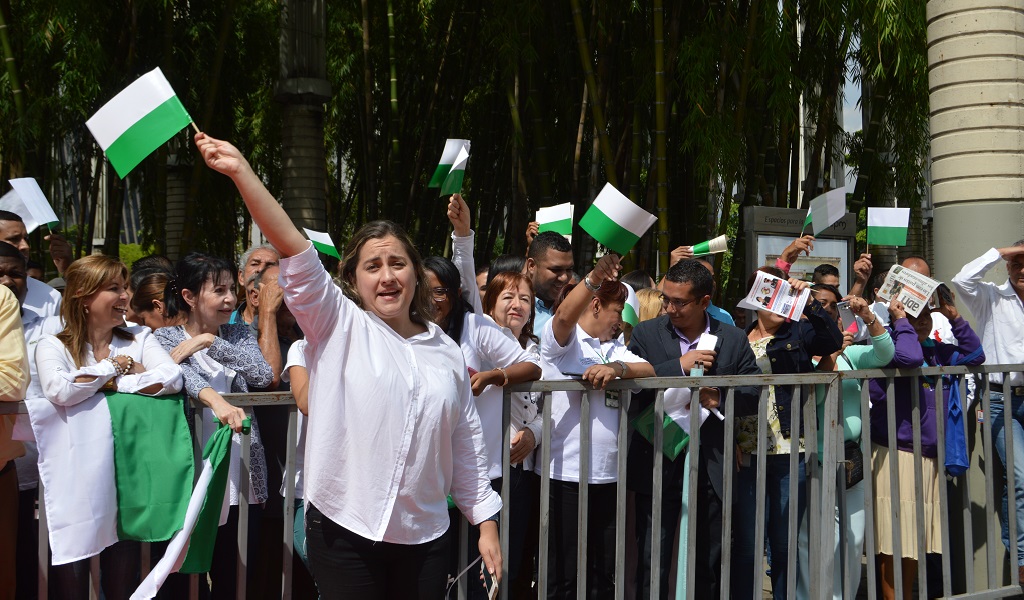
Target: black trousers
{"points": [[119, 574], [565, 539], [671, 506], [346, 565], [224, 567]]}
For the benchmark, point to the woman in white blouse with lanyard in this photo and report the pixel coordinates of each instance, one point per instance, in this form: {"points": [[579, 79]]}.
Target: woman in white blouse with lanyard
{"points": [[94, 353], [582, 338], [392, 425]]}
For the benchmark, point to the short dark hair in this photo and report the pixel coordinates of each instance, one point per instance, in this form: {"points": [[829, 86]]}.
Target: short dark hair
{"points": [[6, 215], [482, 269], [153, 261], [448, 274], [548, 240], [506, 263], [824, 270], [1019, 242], [9, 251], [697, 275], [877, 282], [190, 274], [32, 264], [609, 292], [828, 288], [638, 280]]}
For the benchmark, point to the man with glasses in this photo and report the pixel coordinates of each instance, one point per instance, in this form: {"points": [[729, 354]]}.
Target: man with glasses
{"points": [[669, 343]]}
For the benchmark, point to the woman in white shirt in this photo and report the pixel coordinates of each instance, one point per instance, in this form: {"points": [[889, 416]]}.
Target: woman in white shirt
{"points": [[392, 425], [582, 339], [94, 353], [494, 359], [219, 358]]}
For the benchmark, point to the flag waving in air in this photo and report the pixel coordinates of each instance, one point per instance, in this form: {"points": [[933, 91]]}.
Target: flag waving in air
{"points": [[888, 226], [452, 168], [28, 202], [614, 221], [631, 309], [138, 120], [825, 210], [556, 218], [323, 243]]}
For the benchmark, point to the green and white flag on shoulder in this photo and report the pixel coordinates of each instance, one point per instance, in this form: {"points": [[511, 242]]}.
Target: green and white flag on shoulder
{"points": [[322, 242], [451, 169], [28, 202], [888, 226], [614, 221], [825, 210], [138, 120], [631, 309], [556, 218]]}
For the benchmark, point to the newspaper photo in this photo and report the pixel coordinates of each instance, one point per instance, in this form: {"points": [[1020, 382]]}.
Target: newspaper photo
{"points": [[775, 295], [909, 287]]}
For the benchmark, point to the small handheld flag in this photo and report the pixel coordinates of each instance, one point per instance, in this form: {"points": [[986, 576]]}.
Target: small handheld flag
{"points": [[716, 246], [556, 218], [452, 168], [888, 226], [28, 202], [825, 210], [631, 309], [322, 242], [137, 121], [614, 221]]}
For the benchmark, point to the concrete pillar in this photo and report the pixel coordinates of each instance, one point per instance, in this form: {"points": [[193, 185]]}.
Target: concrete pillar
{"points": [[976, 89]]}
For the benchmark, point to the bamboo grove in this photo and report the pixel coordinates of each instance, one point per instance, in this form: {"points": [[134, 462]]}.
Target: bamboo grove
{"points": [[690, 108]]}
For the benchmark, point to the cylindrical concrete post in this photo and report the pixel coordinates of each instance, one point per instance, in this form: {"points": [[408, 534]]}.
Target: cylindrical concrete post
{"points": [[976, 94], [976, 91]]}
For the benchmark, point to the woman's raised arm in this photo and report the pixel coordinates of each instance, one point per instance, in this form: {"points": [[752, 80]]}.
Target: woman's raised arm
{"points": [[266, 212]]}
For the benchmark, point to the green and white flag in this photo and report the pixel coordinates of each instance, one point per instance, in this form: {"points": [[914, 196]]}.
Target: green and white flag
{"points": [[322, 242], [28, 202], [556, 218], [138, 120], [614, 221], [825, 210], [191, 548], [452, 167], [631, 309], [888, 226]]}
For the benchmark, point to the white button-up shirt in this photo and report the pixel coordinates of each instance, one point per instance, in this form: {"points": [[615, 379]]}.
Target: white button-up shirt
{"points": [[998, 313], [392, 426], [580, 352]]}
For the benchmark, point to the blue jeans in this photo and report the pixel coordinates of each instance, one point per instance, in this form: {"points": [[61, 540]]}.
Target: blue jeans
{"points": [[999, 435], [776, 523]]}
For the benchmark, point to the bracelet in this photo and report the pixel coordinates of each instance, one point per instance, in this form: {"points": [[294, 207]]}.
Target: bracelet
{"points": [[623, 367], [593, 288], [873, 321], [503, 372]]}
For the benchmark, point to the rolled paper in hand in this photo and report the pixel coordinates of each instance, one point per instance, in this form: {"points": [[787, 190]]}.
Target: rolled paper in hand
{"points": [[715, 246]]}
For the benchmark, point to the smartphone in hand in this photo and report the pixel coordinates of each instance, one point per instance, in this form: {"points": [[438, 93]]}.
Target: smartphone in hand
{"points": [[849, 319], [490, 583]]}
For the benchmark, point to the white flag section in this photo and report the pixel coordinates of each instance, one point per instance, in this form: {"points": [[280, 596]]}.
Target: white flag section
{"points": [[28, 201], [449, 156], [138, 120], [888, 226], [615, 221], [827, 208], [323, 242], [678, 405], [631, 309], [556, 218]]}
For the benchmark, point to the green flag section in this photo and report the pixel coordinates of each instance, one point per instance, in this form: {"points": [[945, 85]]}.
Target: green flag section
{"points": [[825, 210], [27, 200], [556, 218], [153, 466], [453, 181], [715, 246], [322, 242], [614, 221], [888, 226], [674, 439], [452, 147], [191, 549], [631, 309], [137, 121]]}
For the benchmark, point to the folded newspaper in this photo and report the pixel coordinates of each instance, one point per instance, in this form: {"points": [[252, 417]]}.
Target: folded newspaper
{"points": [[775, 295], [911, 288]]}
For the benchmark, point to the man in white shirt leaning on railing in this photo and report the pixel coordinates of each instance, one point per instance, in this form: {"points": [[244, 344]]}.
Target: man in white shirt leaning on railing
{"points": [[999, 313]]}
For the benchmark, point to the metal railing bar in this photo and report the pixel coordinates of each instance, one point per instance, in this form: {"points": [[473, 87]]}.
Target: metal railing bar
{"points": [[291, 439], [940, 458], [922, 541], [792, 531], [656, 492], [620, 496], [693, 449], [992, 528], [1011, 476], [728, 483], [583, 510], [869, 489], [243, 513], [965, 494], [759, 488], [894, 488], [506, 492], [544, 548]]}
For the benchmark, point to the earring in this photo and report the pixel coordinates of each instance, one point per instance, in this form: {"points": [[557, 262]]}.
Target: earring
{"points": [[86, 310]]}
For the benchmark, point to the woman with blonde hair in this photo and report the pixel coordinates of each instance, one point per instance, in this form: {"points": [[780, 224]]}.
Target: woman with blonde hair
{"points": [[95, 353], [651, 303]]}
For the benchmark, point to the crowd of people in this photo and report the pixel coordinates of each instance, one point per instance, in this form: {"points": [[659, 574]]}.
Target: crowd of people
{"points": [[397, 364]]}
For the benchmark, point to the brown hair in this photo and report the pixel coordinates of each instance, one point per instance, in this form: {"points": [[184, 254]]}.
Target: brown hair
{"points": [[510, 280], [150, 288], [422, 308], [609, 292], [83, 278]]}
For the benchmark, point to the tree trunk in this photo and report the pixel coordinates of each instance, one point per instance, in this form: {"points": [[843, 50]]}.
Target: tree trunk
{"points": [[595, 98]]}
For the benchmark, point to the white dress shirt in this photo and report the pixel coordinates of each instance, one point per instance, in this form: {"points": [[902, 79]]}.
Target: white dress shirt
{"points": [[462, 258], [392, 426], [35, 328], [297, 358], [72, 427], [998, 313], [580, 352], [41, 300], [485, 346]]}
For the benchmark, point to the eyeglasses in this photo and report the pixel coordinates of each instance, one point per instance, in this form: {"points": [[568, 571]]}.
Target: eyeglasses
{"points": [[675, 303], [440, 293]]}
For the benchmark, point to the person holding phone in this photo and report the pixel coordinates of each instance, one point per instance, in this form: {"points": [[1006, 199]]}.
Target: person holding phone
{"points": [[392, 427]]}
